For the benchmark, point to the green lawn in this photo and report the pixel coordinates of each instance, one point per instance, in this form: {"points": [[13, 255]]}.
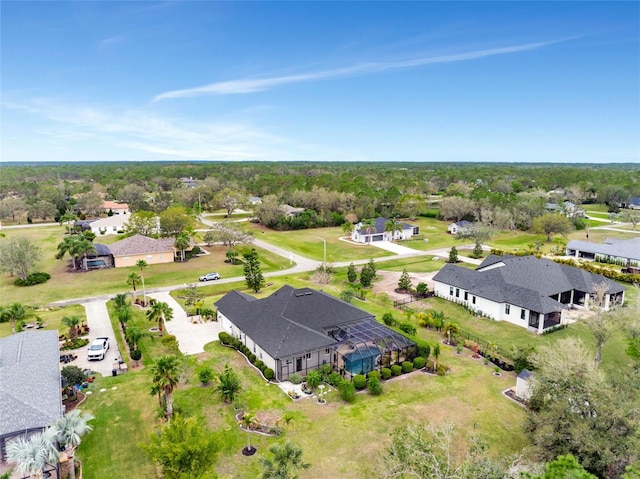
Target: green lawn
{"points": [[52, 318], [308, 243], [69, 284], [339, 440]]}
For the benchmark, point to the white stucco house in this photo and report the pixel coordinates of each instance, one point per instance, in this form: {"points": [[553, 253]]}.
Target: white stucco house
{"points": [[523, 290], [294, 331], [459, 227], [364, 234]]}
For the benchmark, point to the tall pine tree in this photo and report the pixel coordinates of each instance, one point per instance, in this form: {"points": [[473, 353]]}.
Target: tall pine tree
{"points": [[252, 273]]}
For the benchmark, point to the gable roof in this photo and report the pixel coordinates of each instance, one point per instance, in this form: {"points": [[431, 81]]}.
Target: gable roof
{"points": [[289, 210], [115, 220], [29, 381], [138, 244], [524, 281], [611, 247], [112, 205], [291, 320], [379, 226], [462, 224]]}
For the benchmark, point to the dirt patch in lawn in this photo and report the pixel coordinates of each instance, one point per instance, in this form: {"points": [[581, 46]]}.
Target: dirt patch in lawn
{"points": [[387, 282]]}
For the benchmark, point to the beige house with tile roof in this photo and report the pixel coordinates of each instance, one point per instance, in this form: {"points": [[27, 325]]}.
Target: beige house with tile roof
{"points": [[117, 208], [154, 251]]}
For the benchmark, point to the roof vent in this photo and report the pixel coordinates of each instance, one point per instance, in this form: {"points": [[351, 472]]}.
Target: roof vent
{"points": [[308, 293]]}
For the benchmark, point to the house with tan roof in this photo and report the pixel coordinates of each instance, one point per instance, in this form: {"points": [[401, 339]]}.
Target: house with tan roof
{"points": [[154, 251], [116, 208]]}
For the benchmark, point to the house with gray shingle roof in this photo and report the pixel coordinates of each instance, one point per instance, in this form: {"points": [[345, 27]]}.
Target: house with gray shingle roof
{"points": [[627, 251], [364, 234], [30, 384], [523, 290], [297, 330], [459, 227]]}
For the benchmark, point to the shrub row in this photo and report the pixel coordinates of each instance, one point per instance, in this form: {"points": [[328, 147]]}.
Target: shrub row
{"points": [[33, 278], [229, 340]]}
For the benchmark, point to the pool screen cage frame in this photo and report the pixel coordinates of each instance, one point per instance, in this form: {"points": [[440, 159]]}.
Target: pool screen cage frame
{"points": [[371, 343]]}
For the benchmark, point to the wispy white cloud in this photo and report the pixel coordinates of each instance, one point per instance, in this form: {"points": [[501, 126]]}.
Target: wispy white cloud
{"points": [[251, 85], [143, 134], [111, 42]]}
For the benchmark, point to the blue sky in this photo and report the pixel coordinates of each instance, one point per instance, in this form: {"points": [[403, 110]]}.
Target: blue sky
{"points": [[325, 81]]}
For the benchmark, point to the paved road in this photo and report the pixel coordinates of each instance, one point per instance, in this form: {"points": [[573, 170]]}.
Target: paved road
{"points": [[191, 336]]}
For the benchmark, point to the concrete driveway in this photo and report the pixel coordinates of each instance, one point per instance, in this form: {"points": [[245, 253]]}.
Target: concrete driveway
{"points": [[99, 325], [191, 336], [392, 247]]}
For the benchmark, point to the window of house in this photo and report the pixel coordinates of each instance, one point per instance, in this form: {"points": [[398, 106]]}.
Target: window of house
{"points": [[288, 361], [308, 355], [327, 351], [457, 292], [473, 299], [523, 314], [254, 347], [260, 355], [466, 296], [507, 308], [450, 290]]}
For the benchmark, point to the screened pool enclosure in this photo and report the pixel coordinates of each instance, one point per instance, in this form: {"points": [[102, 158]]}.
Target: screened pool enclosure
{"points": [[368, 345]]}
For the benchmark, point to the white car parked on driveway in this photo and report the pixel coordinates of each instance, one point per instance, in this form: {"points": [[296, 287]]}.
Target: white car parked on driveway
{"points": [[209, 277], [98, 349]]}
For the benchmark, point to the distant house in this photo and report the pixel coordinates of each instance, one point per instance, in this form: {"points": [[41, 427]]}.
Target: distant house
{"points": [[116, 208], [567, 208], [459, 227], [129, 251], [255, 200], [613, 250], [189, 182], [30, 384], [632, 204], [110, 225], [363, 234], [289, 210], [523, 290], [297, 330]]}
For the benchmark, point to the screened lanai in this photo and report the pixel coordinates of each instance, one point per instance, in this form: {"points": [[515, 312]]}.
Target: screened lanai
{"points": [[368, 345]]}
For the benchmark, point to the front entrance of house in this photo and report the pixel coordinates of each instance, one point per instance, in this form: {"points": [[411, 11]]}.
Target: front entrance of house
{"points": [[298, 365]]}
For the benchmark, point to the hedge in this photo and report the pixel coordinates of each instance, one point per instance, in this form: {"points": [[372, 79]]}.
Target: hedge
{"points": [[373, 374], [396, 370], [385, 373], [33, 278], [269, 374], [374, 386]]}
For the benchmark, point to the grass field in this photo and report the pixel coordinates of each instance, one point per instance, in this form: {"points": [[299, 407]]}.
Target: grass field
{"points": [[68, 284], [52, 318], [308, 243], [339, 440]]}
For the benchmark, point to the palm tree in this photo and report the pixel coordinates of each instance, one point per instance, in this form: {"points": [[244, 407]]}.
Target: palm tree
{"points": [[183, 241], [83, 248], [73, 322], [249, 422], [120, 300], [287, 460], [436, 355], [347, 227], [33, 454], [286, 420], [160, 312], [67, 246], [155, 390], [451, 329], [67, 218], [15, 313], [70, 429], [393, 226], [134, 334], [166, 373], [142, 265], [368, 225], [229, 386], [134, 280]]}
